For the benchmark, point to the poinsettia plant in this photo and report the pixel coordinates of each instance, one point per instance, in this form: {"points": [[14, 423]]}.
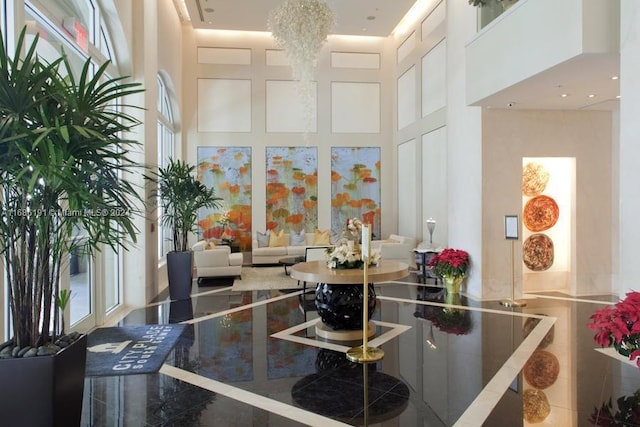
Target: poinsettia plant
{"points": [[619, 326], [450, 262], [628, 413]]}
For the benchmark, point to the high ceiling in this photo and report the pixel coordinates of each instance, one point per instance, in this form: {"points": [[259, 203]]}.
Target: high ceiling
{"points": [[583, 83], [353, 17]]}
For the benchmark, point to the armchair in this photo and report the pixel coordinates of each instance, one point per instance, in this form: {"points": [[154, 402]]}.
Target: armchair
{"points": [[396, 247], [216, 262]]}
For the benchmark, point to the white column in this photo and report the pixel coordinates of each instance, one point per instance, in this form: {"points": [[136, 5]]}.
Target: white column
{"points": [[464, 141], [629, 152]]}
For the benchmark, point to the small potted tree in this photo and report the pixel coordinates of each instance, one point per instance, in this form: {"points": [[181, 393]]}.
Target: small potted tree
{"points": [[181, 196], [61, 157]]}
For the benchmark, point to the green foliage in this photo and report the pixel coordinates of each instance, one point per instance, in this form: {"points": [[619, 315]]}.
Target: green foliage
{"points": [[181, 196], [63, 298], [62, 156]]}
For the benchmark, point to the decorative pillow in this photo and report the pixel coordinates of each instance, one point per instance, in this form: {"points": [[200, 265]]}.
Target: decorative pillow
{"points": [[321, 237], [211, 244], [298, 239], [276, 239], [263, 239]]}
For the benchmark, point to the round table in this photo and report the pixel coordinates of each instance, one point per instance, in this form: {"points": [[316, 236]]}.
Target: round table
{"points": [[339, 293]]}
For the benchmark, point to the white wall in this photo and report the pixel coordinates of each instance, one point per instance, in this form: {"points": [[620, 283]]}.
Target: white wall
{"points": [[420, 82], [464, 156], [629, 149], [255, 135], [153, 31], [516, 46], [508, 136]]}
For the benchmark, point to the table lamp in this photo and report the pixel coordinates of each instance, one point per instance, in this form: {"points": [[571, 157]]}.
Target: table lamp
{"points": [[431, 225]]}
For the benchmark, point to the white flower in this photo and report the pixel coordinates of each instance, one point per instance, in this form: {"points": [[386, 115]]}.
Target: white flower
{"points": [[348, 255], [374, 258]]}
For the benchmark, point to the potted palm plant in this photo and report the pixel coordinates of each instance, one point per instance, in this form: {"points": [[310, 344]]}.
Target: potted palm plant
{"points": [[62, 153], [181, 196]]}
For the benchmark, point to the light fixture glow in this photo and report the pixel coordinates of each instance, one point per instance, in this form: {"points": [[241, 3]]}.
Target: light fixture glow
{"points": [[564, 95], [183, 12], [417, 11], [592, 95], [614, 77]]}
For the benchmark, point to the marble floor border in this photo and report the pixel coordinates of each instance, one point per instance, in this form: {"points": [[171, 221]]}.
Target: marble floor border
{"points": [[491, 394], [394, 330], [270, 405]]}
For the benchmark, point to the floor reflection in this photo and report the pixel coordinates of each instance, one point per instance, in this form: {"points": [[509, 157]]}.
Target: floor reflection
{"points": [[446, 361]]}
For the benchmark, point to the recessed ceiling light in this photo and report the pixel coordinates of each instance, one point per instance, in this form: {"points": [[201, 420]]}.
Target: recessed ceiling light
{"points": [[371, 18], [617, 96], [564, 95], [592, 95], [614, 77]]}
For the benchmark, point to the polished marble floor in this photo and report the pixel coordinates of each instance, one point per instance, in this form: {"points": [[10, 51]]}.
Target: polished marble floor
{"points": [[253, 359]]}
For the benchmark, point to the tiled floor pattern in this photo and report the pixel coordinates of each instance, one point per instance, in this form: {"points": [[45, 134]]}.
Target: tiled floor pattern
{"points": [[252, 359]]}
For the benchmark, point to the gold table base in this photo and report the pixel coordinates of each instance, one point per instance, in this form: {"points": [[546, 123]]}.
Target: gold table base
{"points": [[362, 354], [512, 303]]}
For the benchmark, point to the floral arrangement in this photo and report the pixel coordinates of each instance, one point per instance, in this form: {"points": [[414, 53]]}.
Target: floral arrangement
{"points": [[354, 225], [450, 262], [224, 218], [353, 230], [347, 255], [619, 326], [628, 412]]}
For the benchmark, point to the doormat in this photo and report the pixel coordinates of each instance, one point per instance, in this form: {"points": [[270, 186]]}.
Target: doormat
{"points": [[130, 350]]}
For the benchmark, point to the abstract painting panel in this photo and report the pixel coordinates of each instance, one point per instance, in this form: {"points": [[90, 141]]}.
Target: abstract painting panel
{"points": [[292, 188], [355, 187], [228, 171]]}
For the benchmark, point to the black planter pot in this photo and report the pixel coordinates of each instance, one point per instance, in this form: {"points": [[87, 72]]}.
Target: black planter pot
{"points": [[179, 273], [44, 390]]}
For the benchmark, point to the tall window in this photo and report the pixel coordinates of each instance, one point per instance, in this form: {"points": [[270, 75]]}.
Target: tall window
{"points": [[76, 27], [166, 136]]}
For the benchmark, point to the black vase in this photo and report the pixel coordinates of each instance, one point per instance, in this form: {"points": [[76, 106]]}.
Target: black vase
{"points": [[179, 275], [340, 305]]}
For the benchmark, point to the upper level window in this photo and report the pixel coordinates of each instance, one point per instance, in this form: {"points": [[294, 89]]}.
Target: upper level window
{"points": [[77, 24]]}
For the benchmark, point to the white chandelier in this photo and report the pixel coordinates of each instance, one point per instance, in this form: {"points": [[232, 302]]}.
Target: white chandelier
{"points": [[300, 28]]}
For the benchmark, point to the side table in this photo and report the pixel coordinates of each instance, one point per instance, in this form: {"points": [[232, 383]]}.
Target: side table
{"points": [[423, 256]]}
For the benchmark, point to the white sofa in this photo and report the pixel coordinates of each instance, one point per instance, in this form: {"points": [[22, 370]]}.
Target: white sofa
{"points": [[271, 255], [215, 262], [396, 247]]}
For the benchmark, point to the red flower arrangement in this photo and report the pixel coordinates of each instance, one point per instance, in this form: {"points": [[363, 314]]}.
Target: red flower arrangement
{"points": [[450, 262], [619, 326]]}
